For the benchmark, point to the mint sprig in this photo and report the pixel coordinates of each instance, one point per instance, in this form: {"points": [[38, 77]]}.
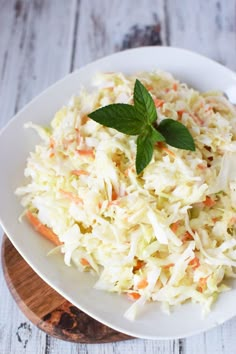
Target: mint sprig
{"points": [[141, 119]]}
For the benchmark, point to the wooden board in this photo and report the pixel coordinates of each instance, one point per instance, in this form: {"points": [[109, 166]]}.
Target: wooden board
{"points": [[47, 309]]}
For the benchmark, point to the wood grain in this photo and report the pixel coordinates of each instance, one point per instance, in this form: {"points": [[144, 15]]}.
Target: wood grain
{"points": [[47, 309]]}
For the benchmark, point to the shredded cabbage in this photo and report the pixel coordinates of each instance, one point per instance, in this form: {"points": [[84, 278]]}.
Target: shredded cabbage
{"points": [[167, 235]]}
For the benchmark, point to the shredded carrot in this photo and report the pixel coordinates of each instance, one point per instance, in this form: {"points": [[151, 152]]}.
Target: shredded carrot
{"points": [[216, 219], [42, 229], [86, 152], [194, 263], [114, 195], [158, 102], [84, 262], [209, 202], [202, 284], [164, 148], [52, 154], [142, 284], [138, 265], [175, 86], [197, 119], [71, 196], [181, 112], [52, 143], [79, 173], [168, 266], [174, 227], [233, 220], [133, 296], [201, 166], [187, 237], [149, 87]]}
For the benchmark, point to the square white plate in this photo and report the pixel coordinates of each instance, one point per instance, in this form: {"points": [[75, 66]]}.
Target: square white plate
{"points": [[15, 145]]}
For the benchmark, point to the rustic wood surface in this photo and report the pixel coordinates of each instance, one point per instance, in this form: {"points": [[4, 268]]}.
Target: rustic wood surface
{"points": [[45, 308], [40, 42]]}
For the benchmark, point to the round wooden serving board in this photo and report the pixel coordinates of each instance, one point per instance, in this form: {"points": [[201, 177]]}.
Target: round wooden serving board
{"points": [[48, 310]]}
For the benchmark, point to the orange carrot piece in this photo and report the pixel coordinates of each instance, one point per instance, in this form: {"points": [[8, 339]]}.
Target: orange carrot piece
{"points": [[86, 152], [194, 263], [42, 229], [52, 143], [158, 102], [202, 284], [138, 265], [84, 262], [149, 87], [232, 220], [164, 148], [168, 266], [79, 173], [71, 196], [114, 195], [187, 237], [209, 202], [142, 284], [201, 166], [174, 227], [133, 296], [175, 86], [181, 112]]}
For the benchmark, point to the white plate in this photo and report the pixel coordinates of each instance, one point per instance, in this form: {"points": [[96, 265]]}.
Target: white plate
{"points": [[15, 145]]}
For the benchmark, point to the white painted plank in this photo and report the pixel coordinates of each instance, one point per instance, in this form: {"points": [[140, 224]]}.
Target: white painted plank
{"points": [[208, 27], [38, 45], [105, 27], [36, 38]]}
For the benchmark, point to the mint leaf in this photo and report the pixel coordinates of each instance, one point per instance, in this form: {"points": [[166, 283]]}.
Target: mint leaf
{"points": [[144, 152], [176, 134], [122, 117], [143, 103], [155, 135], [145, 147]]}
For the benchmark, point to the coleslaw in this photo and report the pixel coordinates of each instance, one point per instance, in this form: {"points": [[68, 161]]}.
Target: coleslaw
{"points": [[167, 235]]}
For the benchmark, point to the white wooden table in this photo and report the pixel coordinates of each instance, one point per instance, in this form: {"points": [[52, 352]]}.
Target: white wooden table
{"points": [[43, 40]]}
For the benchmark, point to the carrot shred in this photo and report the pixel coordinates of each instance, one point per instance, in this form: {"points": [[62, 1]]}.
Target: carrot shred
{"points": [[142, 284], [149, 87], [79, 173], [42, 229], [84, 262], [133, 296], [158, 102], [187, 237], [194, 263], [175, 86], [232, 220], [167, 266], [174, 227], [138, 265], [71, 196], [201, 166], [181, 112], [86, 152], [202, 284], [164, 148], [52, 143], [209, 202], [114, 195]]}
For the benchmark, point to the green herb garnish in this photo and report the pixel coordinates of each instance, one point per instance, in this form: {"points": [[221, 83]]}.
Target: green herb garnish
{"points": [[141, 119]]}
